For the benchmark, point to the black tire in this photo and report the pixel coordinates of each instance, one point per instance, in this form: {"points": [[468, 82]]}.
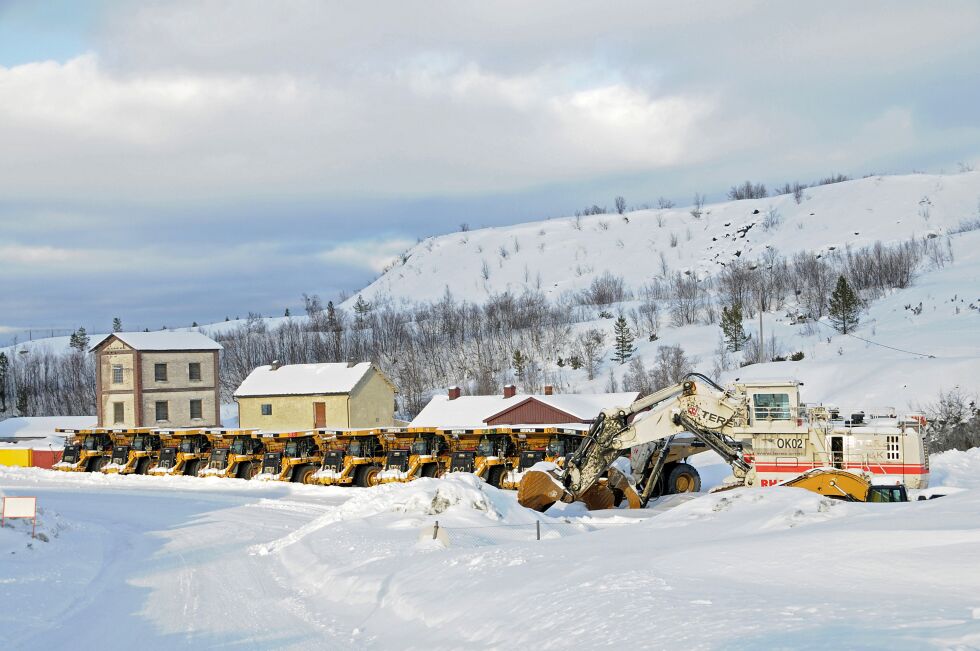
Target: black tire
{"points": [[97, 464], [142, 465], [244, 470], [683, 478], [495, 475], [367, 476], [431, 470], [303, 474], [192, 467]]}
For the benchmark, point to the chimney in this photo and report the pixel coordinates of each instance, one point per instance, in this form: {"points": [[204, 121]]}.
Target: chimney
{"points": [[275, 365], [453, 393], [549, 390], [510, 391]]}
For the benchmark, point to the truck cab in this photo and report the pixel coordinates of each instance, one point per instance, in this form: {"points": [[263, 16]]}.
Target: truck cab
{"points": [[134, 451], [85, 450], [184, 452], [236, 453], [351, 457], [487, 453], [536, 444], [291, 456], [411, 453]]}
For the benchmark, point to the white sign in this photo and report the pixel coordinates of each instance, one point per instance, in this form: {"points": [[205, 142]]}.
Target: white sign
{"points": [[19, 507]]}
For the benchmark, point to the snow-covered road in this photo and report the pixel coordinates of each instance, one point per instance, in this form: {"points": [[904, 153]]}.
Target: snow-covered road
{"points": [[177, 562]]}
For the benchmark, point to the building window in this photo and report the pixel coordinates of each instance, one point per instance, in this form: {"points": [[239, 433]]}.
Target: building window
{"points": [[117, 374], [266, 410], [196, 410], [771, 406], [194, 371], [162, 410], [160, 372], [118, 412]]}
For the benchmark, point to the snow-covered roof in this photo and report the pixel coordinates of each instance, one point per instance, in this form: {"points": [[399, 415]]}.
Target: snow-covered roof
{"points": [[163, 340], [38, 431], [304, 379], [475, 410]]}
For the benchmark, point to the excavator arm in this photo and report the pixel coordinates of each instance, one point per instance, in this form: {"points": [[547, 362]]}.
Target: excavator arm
{"points": [[700, 407]]}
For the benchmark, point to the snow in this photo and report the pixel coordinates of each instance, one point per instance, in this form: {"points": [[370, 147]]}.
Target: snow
{"points": [[182, 561], [163, 340], [38, 432], [303, 379]]}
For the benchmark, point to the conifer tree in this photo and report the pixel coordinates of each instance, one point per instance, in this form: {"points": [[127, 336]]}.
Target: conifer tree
{"points": [[624, 340], [4, 370], [731, 327], [844, 307], [117, 325], [79, 340], [520, 364]]}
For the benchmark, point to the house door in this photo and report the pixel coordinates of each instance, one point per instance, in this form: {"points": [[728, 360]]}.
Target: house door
{"points": [[837, 451], [319, 414]]}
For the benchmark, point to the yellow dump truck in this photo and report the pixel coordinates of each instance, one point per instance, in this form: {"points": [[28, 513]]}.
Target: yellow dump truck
{"points": [[134, 451], [350, 457], [536, 444], [291, 456], [412, 453], [86, 450], [235, 453], [182, 452], [488, 453]]}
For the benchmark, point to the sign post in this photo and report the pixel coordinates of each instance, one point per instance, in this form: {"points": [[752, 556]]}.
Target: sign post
{"points": [[19, 507]]}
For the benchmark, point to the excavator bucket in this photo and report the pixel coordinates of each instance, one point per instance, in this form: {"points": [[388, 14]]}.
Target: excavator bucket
{"points": [[539, 489], [835, 483], [622, 489]]}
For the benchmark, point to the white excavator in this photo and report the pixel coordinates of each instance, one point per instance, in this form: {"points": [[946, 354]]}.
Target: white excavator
{"points": [[760, 429]]}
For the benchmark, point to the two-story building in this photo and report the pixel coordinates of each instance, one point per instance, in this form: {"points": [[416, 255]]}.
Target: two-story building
{"points": [[299, 397], [157, 379]]}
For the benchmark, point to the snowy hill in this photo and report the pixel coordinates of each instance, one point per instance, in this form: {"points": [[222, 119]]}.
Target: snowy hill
{"points": [[566, 254]]}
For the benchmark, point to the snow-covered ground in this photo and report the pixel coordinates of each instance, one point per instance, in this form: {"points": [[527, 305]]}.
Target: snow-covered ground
{"points": [[177, 562]]}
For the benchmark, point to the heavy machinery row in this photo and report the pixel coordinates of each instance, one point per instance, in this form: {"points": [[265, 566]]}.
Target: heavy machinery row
{"points": [[630, 454]]}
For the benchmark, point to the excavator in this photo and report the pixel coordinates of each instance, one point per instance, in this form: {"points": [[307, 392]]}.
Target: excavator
{"points": [[760, 429]]}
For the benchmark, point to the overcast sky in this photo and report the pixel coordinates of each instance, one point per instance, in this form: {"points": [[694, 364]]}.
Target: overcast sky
{"points": [[185, 161]]}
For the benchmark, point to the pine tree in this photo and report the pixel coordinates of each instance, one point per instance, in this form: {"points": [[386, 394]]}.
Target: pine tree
{"points": [[4, 369], [22, 401], [731, 327], [287, 312], [79, 340], [117, 325], [520, 364], [844, 307], [624, 340]]}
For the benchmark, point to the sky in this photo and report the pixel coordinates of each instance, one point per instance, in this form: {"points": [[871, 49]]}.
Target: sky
{"points": [[173, 162]]}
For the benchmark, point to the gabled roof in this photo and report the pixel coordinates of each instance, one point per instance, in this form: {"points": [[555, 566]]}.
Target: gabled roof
{"points": [[162, 340], [477, 410], [583, 406], [305, 379]]}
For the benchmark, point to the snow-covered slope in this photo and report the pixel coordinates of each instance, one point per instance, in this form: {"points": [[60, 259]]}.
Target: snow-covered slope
{"points": [[566, 254]]}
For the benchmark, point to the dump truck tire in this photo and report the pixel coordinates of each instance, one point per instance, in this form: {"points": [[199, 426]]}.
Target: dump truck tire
{"points": [[304, 474], [431, 470], [683, 478], [142, 465], [97, 464], [367, 476], [246, 470], [495, 475], [192, 468]]}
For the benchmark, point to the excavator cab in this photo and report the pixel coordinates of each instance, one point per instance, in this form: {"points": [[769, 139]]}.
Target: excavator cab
{"points": [[888, 494]]}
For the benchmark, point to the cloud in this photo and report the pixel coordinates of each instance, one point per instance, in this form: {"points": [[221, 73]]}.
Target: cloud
{"points": [[374, 255]]}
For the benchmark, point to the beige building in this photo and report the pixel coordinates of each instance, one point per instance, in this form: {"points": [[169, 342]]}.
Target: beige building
{"points": [[299, 397], [157, 379]]}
